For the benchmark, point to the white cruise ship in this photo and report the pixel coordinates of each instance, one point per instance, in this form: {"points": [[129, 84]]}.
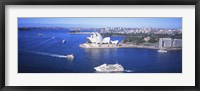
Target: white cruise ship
{"points": [[109, 68]]}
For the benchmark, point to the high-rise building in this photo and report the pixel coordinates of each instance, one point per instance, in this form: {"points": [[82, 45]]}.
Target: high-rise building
{"points": [[169, 42], [165, 42], [177, 43]]}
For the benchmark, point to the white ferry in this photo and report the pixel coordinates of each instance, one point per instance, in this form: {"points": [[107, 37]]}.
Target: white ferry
{"points": [[70, 56], [109, 68]]}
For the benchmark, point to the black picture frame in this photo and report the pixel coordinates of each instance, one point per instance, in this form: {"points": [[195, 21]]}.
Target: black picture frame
{"points": [[98, 2]]}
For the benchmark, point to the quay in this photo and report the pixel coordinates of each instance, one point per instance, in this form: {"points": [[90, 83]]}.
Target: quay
{"points": [[88, 45]]}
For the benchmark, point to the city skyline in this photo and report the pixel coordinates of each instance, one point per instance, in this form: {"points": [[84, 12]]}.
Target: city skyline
{"points": [[101, 22]]}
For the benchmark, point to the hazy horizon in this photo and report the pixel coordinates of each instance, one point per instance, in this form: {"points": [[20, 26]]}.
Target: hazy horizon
{"points": [[101, 22]]}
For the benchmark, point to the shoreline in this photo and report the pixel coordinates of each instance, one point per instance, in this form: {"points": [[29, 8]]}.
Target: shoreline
{"points": [[80, 33], [98, 46]]}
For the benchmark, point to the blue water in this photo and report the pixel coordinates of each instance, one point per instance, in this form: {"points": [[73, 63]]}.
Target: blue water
{"points": [[43, 54]]}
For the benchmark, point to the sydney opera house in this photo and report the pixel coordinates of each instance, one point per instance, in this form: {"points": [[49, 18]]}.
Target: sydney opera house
{"points": [[97, 41]]}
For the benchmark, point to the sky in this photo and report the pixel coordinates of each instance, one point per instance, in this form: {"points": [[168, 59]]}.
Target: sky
{"points": [[102, 22]]}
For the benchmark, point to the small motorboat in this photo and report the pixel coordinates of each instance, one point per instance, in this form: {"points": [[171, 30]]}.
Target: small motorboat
{"points": [[162, 50], [70, 56], [40, 34], [63, 41]]}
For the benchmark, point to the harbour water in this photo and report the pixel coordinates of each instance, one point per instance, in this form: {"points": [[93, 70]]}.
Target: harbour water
{"points": [[47, 54]]}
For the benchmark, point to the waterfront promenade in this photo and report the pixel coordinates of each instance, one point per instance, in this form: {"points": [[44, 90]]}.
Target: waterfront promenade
{"points": [[88, 45]]}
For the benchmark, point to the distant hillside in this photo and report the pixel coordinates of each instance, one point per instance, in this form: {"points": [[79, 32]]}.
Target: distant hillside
{"points": [[41, 28], [56, 25]]}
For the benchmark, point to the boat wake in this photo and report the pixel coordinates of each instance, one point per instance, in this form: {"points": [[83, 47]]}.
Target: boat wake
{"points": [[47, 54], [39, 44]]}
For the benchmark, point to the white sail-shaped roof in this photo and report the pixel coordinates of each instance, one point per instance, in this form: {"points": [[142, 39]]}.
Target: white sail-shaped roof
{"points": [[106, 40], [95, 38]]}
